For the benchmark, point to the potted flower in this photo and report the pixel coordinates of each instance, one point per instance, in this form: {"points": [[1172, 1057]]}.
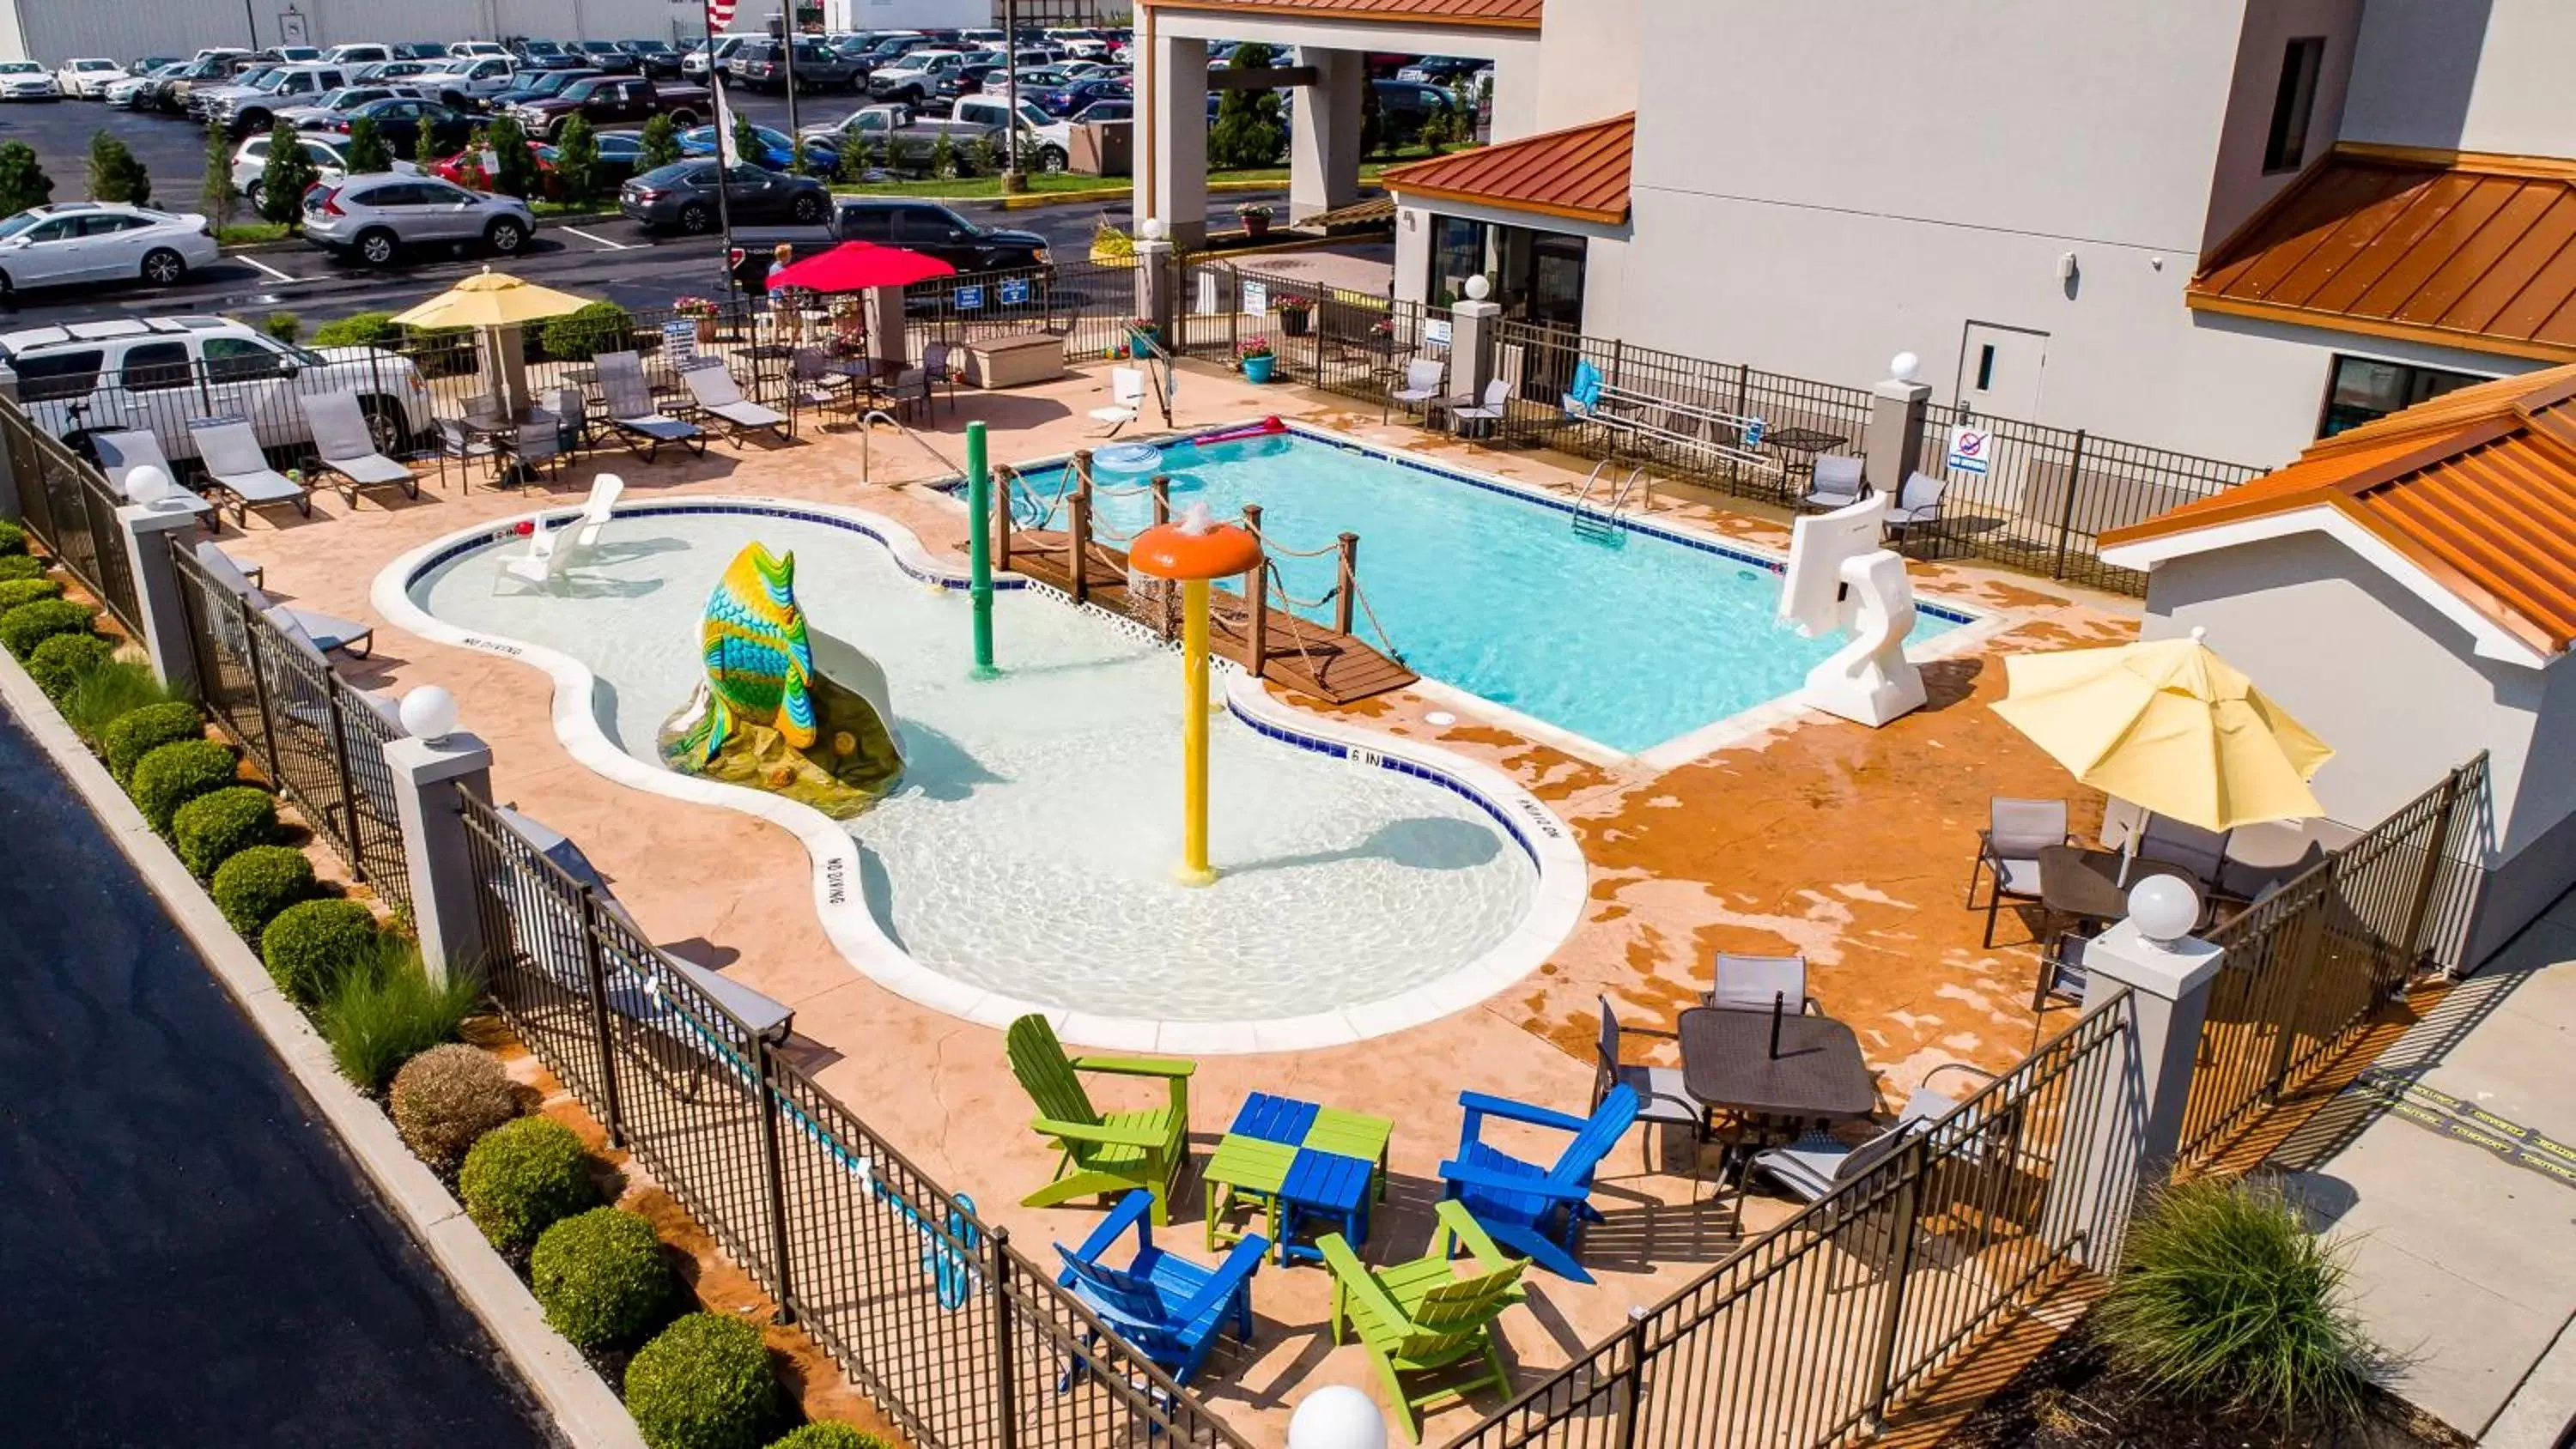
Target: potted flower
{"points": [[1293, 313], [701, 310], [1145, 336], [1255, 216], [1254, 356]]}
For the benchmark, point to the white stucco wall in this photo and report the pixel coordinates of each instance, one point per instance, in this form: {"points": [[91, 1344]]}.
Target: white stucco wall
{"points": [[1590, 55], [2237, 183], [2470, 75]]}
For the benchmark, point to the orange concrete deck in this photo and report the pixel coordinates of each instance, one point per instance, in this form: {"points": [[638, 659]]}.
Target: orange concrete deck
{"points": [[1817, 835]]}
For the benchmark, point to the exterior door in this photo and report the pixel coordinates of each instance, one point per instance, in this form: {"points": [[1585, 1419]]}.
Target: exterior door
{"points": [[1999, 370]]}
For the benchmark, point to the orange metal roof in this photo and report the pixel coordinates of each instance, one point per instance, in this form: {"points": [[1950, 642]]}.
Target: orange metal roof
{"points": [[1515, 13], [1580, 173], [2476, 487], [2466, 250]]}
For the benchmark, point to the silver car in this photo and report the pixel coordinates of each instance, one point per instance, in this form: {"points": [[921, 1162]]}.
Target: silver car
{"points": [[373, 217]]}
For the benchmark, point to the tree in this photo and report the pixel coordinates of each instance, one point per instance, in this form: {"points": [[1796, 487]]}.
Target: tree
{"points": [[215, 191], [514, 166], [424, 145], [289, 175], [577, 161], [747, 147], [660, 144], [115, 174], [943, 156], [1248, 130], [368, 153], [1372, 121], [23, 182]]}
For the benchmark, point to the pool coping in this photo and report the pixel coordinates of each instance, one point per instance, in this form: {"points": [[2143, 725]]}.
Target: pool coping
{"points": [[1976, 623], [1558, 897]]}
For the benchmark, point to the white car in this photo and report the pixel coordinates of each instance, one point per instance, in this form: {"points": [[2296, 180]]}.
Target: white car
{"points": [[24, 80], [123, 94], [88, 79], [73, 242], [330, 162], [475, 49]]}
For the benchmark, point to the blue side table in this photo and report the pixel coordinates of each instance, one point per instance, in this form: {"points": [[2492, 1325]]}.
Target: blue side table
{"points": [[1325, 1185]]}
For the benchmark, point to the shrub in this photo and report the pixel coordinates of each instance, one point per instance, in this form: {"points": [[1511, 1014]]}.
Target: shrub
{"points": [[23, 182], [115, 174], [27, 591], [522, 1178], [288, 175], [387, 1010], [284, 326], [311, 947], [1248, 130], [16, 566], [220, 824], [108, 693], [658, 145], [577, 161], [368, 153], [257, 883], [28, 625], [594, 328], [514, 168], [830, 1434], [603, 1278], [703, 1384], [130, 736], [363, 329], [448, 1096], [64, 660], [13, 538], [2227, 1298], [177, 773]]}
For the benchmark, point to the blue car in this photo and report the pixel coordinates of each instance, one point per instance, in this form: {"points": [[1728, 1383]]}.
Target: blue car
{"points": [[775, 151], [1064, 100]]}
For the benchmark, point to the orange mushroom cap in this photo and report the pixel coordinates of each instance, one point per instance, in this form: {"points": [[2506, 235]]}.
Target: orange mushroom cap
{"points": [[1209, 551]]}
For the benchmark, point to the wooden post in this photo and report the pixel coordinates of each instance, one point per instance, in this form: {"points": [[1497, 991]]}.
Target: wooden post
{"points": [[1004, 477], [1162, 499], [1078, 543], [1163, 619], [1348, 585], [1256, 594]]}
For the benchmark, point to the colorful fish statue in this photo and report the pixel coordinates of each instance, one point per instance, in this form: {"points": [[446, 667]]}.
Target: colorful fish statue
{"points": [[760, 667]]}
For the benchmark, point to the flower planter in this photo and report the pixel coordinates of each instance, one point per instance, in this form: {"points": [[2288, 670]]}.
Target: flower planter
{"points": [[706, 331], [1144, 340], [1256, 227], [1293, 321], [1257, 369]]}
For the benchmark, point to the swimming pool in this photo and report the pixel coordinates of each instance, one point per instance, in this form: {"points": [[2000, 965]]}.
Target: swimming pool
{"points": [[1628, 642], [1024, 861]]}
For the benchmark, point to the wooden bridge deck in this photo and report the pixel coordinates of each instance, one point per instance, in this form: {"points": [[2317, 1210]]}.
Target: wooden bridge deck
{"points": [[1302, 655]]}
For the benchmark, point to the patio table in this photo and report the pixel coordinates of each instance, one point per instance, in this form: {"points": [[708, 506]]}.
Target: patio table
{"points": [[1326, 1185], [2085, 884], [1817, 1077], [1254, 1158]]}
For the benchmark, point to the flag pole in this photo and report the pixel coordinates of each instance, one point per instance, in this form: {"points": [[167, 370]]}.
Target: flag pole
{"points": [[720, 12]]}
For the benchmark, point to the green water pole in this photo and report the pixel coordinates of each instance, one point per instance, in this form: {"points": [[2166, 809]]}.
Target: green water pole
{"points": [[979, 548]]}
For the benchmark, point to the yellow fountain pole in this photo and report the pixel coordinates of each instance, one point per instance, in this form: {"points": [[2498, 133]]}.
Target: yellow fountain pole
{"points": [[1190, 551]]}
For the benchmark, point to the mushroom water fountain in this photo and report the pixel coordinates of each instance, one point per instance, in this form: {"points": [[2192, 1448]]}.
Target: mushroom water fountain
{"points": [[1192, 551]]}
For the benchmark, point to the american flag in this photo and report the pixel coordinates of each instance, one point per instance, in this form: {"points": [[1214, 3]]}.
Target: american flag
{"points": [[719, 15]]}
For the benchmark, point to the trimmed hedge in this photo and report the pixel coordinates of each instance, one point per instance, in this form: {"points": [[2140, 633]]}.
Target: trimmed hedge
{"points": [[21, 566], [131, 736], [27, 591], [603, 1278], [448, 1096], [360, 329], [260, 881], [28, 625], [60, 662], [830, 1434], [524, 1177], [177, 773], [311, 945], [594, 328], [704, 1383], [13, 539], [220, 824]]}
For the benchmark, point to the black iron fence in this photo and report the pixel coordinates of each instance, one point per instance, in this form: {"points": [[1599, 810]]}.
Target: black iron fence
{"points": [[320, 739], [961, 1340], [72, 512], [1091, 305], [2309, 967], [1334, 339], [1819, 1331]]}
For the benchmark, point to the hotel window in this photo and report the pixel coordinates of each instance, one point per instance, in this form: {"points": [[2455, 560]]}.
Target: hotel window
{"points": [[1458, 251], [2294, 105], [2359, 389]]}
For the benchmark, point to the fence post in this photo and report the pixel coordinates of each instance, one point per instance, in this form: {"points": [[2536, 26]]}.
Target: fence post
{"points": [[774, 1156], [1154, 262], [1473, 328], [1347, 585], [13, 430], [1632, 1402], [1893, 443], [250, 627], [1256, 598], [2434, 855], [1003, 478], [2066, 515], [1006, 1388], [428, 776], [2138, 1122], [1913, 1160], [340, 772], [151, 530], [1078, 540]]}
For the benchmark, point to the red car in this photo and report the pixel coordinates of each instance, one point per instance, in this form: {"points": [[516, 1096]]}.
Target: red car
{"points": [[467, 169]]}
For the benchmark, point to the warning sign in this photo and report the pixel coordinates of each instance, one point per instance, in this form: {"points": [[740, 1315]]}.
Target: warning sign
{"points": [[1970, 448]]}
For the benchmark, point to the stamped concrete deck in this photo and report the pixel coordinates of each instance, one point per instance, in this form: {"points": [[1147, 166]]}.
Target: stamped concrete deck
{"points": [[1804, 833]]}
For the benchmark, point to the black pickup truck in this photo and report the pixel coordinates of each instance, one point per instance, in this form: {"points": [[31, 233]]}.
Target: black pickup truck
{"points": [[614, 100]]}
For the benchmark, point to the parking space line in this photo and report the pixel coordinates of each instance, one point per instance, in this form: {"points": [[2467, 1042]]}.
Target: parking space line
{"points": [[265, 267], [614, 246]]}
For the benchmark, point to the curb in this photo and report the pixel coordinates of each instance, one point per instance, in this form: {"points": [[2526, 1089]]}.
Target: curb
{"points": [[584, 1409], [297, 243]]}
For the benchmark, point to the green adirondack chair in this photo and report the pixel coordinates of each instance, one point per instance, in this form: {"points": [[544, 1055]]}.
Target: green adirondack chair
{"points": [[1422, 1318], [1102, 1153]]}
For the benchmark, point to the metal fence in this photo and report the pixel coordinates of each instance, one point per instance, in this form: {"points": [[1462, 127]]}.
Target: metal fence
{"points": [[1334, 339], [320, 739], [1091, 305], [961, 1340], [2308, 968], [1817, 1332], [72, 512]]}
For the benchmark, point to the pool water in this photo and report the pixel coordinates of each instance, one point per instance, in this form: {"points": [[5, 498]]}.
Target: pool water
{"points": [[1627, 642], [1030, 845]]}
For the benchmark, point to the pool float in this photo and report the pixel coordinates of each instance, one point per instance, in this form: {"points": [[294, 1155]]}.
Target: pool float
{"points": [[1269, 427], [1127, 458]]}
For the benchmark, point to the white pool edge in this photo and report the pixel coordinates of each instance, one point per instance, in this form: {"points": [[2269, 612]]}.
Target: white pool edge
{"points": [[1556, 904]]}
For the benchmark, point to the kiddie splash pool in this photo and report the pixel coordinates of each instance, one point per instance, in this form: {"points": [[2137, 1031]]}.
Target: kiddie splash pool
{"points": [[1025, 860]]}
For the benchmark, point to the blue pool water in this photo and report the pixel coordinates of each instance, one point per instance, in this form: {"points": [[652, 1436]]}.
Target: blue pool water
{"points": [[1629, 642]]}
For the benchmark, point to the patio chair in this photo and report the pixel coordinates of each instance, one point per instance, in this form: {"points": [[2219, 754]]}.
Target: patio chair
{"points": [[1836, 483], [911, 391], [1662, 1100], [1757, 983], [571, 412], [1422, 1318], [816, 385], [325, 632], [462, 445], [347, 448], [1538, 1212], [1498, 397], [1101, 1153], [2016, 832], [596, 510], [2062, 969], [939, 366], [236, 467], [2167, 841], [1423, 379], [123, 451], [532, 445], [1918, 505], [1816, 1165], [643, 427], [711, 384], [1162, 1306], [1127, 400]]}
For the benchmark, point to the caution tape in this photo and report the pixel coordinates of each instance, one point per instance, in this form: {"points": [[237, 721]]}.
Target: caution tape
{"points": [[2466, 1121]]}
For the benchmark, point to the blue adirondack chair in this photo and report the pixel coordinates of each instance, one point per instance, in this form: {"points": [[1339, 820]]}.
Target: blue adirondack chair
{"points": [[1167, 1308], [1537, 1212]]}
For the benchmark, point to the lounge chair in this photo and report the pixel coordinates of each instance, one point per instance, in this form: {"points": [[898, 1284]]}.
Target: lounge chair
{"points": [[325, 632], [720, 397], [1101, 1153], [1422, 1318], [347, 448], [1538, 1212], [1816, 1165], [1662, 1100], [1836, 483], [1918, 505], [236, 467], [631, 413], [1127, 400], [2016, 832], [1757, 983], [123, 451], [1497, 400], [1166, 1308], [596, 510], [1424, 377]]}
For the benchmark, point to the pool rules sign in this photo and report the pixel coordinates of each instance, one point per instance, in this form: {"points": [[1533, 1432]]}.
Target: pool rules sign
{"points": [[1970, 449]]}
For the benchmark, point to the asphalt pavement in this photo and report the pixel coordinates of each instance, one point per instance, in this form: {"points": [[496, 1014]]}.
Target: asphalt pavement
{"points": [[188, 1254]]}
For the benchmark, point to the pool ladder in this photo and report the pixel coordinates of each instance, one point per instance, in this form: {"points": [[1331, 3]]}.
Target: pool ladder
{"points": [[1607, 519]]}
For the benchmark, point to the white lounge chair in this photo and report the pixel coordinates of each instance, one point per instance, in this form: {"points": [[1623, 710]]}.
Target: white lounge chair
{"points": [[1127, 399], [1835, 484], [121, 452], [711, 383], [348, 449], [537, 566], [596, 511], [236, 466], [323, 632], [1423, 379], [644, 427]]}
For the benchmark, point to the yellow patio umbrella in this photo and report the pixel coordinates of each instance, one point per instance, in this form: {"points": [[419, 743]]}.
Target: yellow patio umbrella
{"points": [[2169, 726], [496, 304]]}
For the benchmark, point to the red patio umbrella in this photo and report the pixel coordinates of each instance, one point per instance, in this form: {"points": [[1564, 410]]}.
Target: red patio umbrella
{"points": [[856, 266]]}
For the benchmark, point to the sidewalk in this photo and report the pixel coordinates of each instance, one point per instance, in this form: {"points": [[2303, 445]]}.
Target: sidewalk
{"points": [[2458, 1227]]}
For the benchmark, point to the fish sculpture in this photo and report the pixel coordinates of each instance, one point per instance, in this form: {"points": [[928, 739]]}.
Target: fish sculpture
{"points": [[760, 664]]}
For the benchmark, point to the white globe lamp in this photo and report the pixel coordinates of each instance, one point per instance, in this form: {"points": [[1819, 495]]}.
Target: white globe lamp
{"points": [[1153, 229], [428, 713], [1904, 367], [1478, 289], [2164, 908], [1337, 1416], [147, 486]]}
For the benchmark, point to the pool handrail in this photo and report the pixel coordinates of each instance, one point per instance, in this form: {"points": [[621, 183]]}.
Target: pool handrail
{"points": [[867, 430]]}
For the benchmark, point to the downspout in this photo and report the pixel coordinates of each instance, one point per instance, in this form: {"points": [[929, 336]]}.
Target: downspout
{"points": [[1153, 114]]}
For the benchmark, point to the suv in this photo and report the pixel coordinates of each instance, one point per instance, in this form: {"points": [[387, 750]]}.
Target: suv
{"points": [[916, 77], [374, 217], [282, 89], [762, 65], [156, 373], [469, 81], [934, 230]]}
